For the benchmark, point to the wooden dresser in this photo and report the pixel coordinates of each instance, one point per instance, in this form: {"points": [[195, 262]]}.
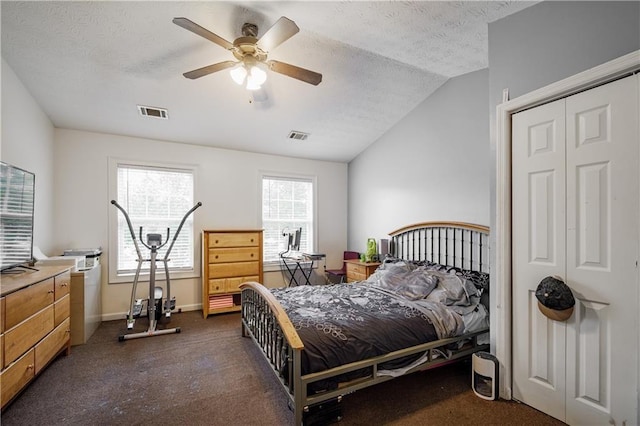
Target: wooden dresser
{"points": [[229, 258], [34, 323], [359, 271]]}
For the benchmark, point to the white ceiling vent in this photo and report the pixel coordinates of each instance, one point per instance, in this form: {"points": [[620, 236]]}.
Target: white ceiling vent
{"points": [[148, 111], [299, 136]]}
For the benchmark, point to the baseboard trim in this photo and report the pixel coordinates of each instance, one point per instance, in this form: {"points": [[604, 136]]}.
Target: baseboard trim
{"points": [[123, 315]]}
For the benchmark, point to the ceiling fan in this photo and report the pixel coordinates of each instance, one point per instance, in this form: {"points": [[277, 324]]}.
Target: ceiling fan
{"points": [[251, 54]]}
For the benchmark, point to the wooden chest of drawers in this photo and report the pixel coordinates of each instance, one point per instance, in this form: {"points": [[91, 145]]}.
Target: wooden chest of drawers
{"points": [[34, 324], [229, 258], [359, 271]]}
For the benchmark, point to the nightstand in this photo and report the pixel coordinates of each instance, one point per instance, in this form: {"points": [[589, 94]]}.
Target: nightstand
{"points": [[359, 271]]}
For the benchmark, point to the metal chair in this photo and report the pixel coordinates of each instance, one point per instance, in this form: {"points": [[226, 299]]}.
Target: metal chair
{"points": [[340, 275]]}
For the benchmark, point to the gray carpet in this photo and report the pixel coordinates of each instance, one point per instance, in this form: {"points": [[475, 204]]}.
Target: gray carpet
{"points": [[208, 374]]}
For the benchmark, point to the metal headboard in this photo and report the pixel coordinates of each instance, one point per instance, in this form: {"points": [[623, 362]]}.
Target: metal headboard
{"points": [[459, 244]]}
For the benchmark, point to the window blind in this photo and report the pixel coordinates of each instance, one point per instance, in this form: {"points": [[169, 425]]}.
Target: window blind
{"points": [[287, 204], [156, 199]]}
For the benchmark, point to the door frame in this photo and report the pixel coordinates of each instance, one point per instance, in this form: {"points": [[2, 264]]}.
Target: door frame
{"points": [[501, 320]]}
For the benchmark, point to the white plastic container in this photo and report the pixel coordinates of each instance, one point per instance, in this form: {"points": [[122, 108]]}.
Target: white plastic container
{"points": [[484, 378]]}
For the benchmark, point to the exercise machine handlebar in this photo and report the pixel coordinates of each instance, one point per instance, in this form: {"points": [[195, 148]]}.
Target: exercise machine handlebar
{"points": [[133, 234], [175, 236]]}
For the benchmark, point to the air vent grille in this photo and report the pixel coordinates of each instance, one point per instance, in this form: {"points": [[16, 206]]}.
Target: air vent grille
{"points": [[148, 111], [299, 136]]}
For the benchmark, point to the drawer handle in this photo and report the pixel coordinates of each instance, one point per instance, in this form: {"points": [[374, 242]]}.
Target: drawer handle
{"points": [[30, 367], [251, 254], [63, 285], [216, 241], [216, 256], [50, 291], [252, 240]]}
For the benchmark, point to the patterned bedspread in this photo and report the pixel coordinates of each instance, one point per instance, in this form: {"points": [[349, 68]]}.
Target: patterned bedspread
{"points": [[340, 323], [403, 304]]}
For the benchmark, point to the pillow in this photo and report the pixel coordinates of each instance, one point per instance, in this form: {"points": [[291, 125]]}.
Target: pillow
{"points": [[479, 279], [410, 282], [432, 266]]}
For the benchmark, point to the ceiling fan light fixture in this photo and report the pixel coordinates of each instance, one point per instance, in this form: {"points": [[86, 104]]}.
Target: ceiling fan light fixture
{"points": [[252, 79], [252, 85], [238, 74], [257, 75]]}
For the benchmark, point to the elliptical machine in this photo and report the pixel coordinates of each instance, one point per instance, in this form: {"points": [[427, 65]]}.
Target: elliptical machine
{"points": [[155, 307]]}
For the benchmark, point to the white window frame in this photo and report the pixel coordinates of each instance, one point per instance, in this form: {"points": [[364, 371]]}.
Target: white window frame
{"points": [[276, 265], [114, 276]]}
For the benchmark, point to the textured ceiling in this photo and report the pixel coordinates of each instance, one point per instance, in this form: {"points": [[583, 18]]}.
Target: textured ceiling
{"points": [[88, 64]]}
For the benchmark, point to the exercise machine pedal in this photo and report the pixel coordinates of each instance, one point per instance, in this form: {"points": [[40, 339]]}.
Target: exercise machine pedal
{"points": [[137, 308]]}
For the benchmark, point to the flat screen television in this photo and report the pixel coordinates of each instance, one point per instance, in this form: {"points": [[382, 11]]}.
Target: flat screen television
{"points": [[17, 197]]}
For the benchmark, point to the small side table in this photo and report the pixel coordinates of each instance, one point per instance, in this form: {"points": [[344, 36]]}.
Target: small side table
{"points": [[359, 271]]}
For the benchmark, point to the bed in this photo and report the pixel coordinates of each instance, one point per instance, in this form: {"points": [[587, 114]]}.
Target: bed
{"points": [[425, 306]]}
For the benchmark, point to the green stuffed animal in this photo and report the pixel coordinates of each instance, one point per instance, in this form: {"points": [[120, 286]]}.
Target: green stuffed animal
{"points": [[372, 249]]}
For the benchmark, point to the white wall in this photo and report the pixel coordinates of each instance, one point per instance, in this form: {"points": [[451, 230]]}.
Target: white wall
{"points": [[72, 201], [27, 142], [432, 165], [227, 183], [551, 41]]}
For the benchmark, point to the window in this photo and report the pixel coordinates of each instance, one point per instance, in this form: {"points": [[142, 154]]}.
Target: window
{"points": [[288, 203], [155, 198]]}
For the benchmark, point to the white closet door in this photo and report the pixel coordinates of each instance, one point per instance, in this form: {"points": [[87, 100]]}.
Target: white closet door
{"points": [[576, 215], [538, 211], [602, 251]]}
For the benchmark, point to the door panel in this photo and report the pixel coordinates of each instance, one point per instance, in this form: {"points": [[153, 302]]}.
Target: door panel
{"points": [[592, 381], [576, 198], [602, 250], [593, 237], [538, 251]]}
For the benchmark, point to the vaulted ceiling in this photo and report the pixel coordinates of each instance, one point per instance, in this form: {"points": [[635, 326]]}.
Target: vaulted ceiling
{"points": [[89, 64]]}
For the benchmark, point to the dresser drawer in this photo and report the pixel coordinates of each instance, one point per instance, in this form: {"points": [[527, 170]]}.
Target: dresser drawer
{"points": [[235, 254], [63, 284], [233, 284], [217, 285], [353, 277], [62, 309], [2, 311], [356, 269], [51, 345], [229, 285], [29, 332], [239, 269], [26, 302], [17, 376], [244, 239]]}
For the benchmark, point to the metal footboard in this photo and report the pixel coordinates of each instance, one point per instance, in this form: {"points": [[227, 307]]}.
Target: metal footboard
{"points": [[264, 320]]}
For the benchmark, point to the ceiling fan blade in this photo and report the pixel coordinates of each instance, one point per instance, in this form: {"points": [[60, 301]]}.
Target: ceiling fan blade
{"points": [[295, 72], [201, 72], [202, 32], [281, 31]]}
